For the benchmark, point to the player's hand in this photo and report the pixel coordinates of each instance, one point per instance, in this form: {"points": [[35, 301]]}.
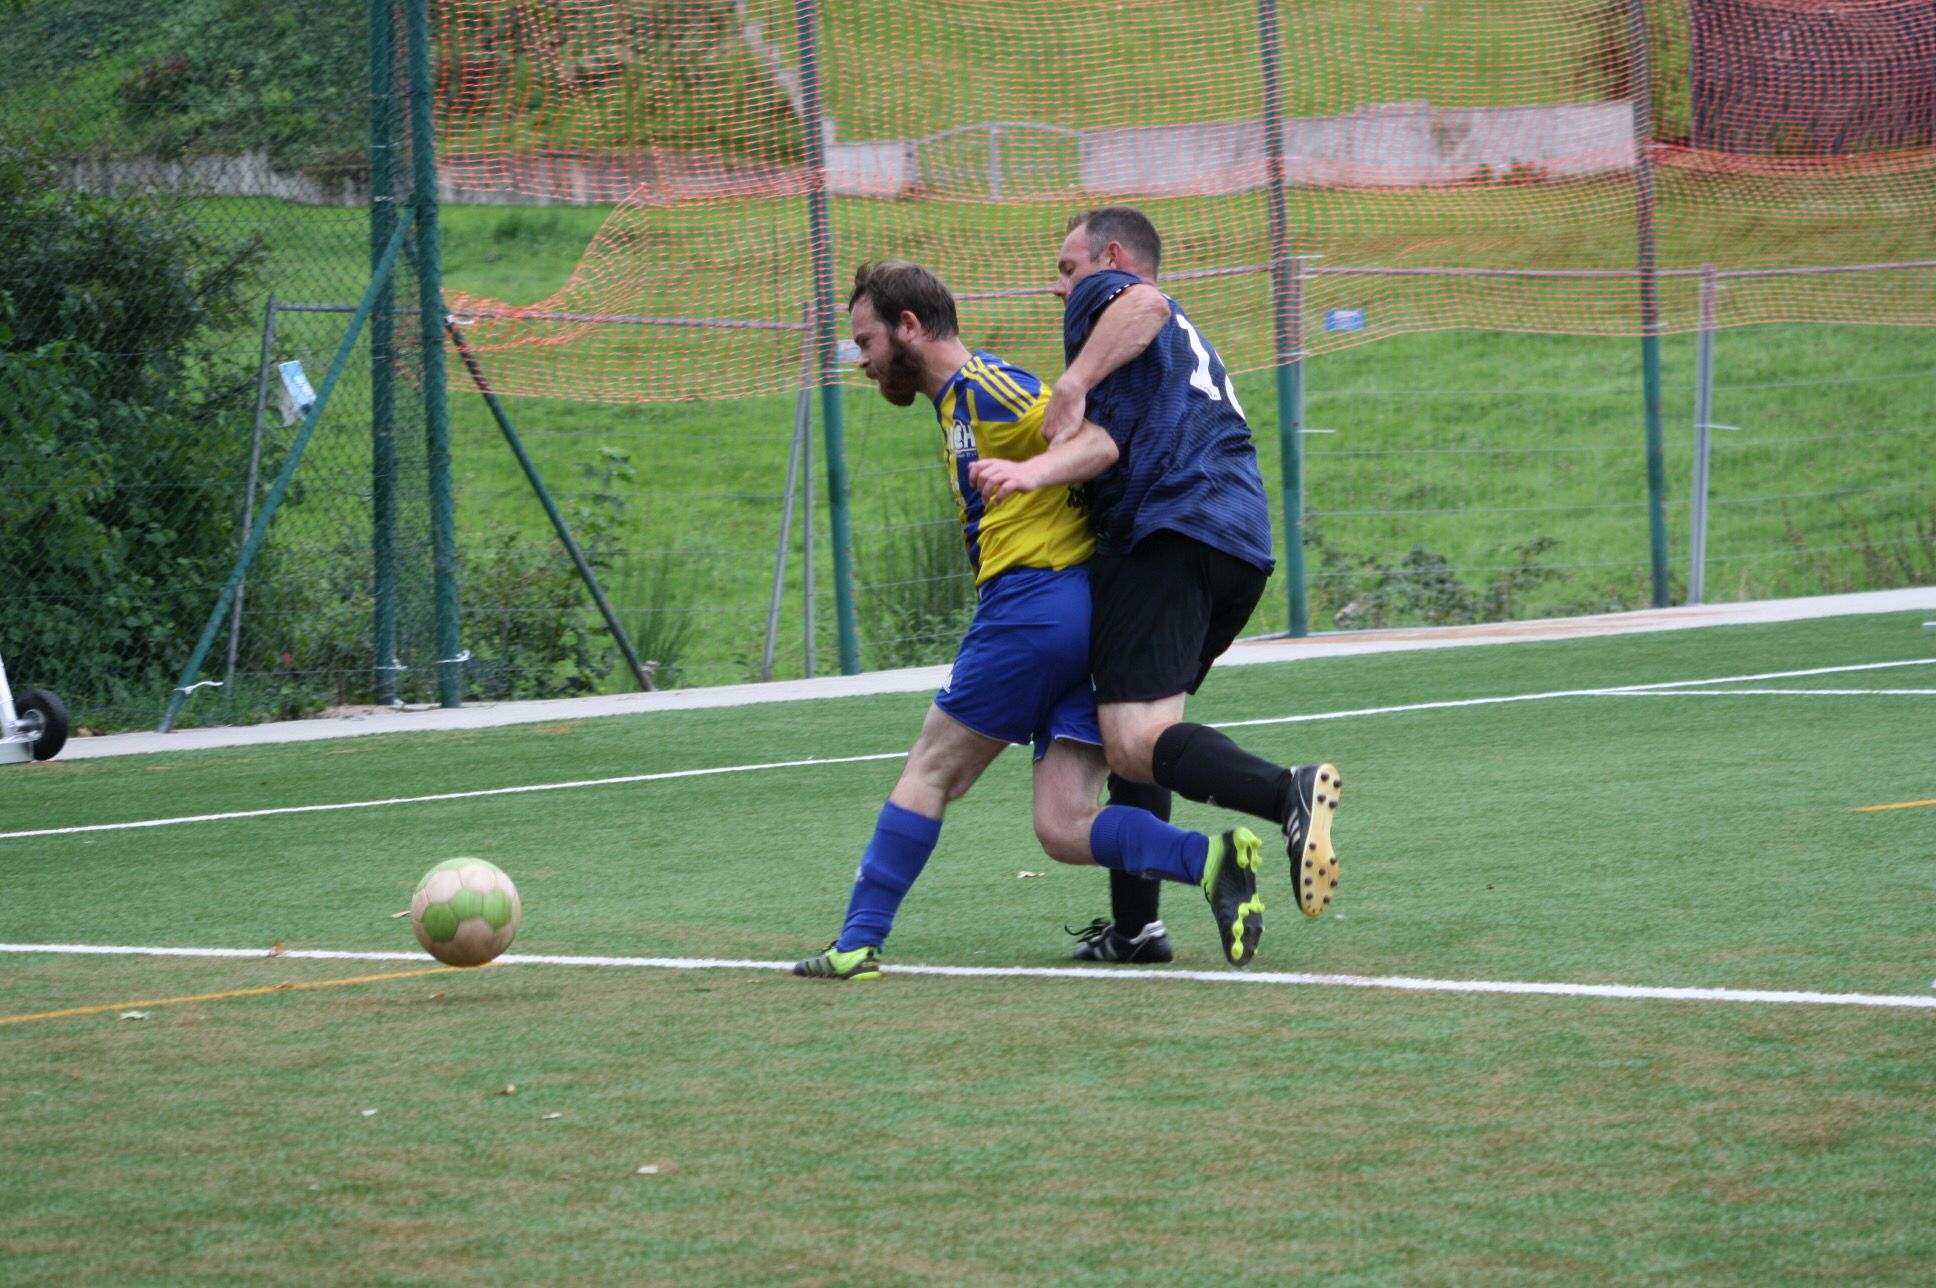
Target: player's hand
{"points": [[1064, 414], [998, 479]]}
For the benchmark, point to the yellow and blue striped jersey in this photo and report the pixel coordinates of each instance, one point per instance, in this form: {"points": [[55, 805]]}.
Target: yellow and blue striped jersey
{"points": [[990, 408]]}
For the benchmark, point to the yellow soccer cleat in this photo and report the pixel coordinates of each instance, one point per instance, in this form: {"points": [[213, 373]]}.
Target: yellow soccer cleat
{"points": [[1230, 884], [856, 963]]}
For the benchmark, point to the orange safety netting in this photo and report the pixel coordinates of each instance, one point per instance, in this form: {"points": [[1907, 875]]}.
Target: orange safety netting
{"points": [[1463, 164]]}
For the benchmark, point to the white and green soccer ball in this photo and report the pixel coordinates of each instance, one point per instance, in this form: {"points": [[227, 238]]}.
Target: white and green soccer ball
{"points": [[465, 911]]}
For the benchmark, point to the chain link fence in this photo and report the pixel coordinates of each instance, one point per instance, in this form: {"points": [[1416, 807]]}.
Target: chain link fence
{"points": [[187, 193]]}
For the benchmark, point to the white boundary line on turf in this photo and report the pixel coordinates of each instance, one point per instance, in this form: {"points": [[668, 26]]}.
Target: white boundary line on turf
{"points": [[1618, 691], [1775, 693], [1398, 983], [1621, 691], [457, 796]]}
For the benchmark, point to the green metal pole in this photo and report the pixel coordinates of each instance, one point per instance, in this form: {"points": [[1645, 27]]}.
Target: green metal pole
{"points": [[1643, 125], [274, 499], [530, 468], [430, 294], [1287, 325], [383, 447], [1656, 469], [263, 365], [825, 311]]}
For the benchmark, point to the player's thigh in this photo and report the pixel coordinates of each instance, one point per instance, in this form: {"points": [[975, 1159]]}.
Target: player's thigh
{"points": [[1025, 650], [1235, 589], [948, 755], [1150, 615]]}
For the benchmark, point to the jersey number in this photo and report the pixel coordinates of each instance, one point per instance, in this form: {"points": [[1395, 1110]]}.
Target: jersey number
{"points": [[1200, 378]]}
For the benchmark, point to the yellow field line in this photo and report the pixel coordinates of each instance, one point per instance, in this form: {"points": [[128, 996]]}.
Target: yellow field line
{"points": [[1870, 809], [211, 997]]}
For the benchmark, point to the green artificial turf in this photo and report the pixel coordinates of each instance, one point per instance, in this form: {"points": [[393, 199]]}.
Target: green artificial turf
{"points": [[999, 1129]]}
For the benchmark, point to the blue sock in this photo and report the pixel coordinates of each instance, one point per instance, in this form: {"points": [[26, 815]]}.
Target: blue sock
{"points": [[1126, 839], [902, 842]]}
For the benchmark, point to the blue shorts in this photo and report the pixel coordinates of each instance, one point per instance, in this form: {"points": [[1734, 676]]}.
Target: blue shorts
{"points": [[1022, 674]]}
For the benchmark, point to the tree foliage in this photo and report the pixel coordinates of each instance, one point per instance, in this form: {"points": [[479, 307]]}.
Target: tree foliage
{"points": [[119, 488]]}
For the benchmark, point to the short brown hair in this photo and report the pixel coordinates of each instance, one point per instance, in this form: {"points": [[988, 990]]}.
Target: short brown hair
{"points": [[1128, 227], [895, 286]]}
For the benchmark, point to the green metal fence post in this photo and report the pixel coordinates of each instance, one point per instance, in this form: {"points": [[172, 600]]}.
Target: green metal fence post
{"points": [[264, 364], [1703, 436], [383, 447], [270, 503], [430, 293], [1643, 133], [558, 524], [825, 310], [1287, 325]]}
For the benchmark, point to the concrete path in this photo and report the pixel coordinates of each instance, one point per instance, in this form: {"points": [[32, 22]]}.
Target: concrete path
{"points": [[367, 721]]}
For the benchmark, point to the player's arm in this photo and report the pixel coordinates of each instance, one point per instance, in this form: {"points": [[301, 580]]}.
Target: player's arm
{"points": [[1127, 325], [1076, 459]]}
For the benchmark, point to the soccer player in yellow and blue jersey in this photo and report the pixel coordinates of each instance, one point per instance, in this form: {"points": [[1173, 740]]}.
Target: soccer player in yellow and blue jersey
{"points": [[1022, 673]]}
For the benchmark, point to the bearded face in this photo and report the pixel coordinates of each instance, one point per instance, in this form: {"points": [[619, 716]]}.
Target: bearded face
{"points": [[899, 377], [886, 359]]}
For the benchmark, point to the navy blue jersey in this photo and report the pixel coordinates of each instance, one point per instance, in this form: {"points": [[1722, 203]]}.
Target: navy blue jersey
{"points": [[1187, 461]]}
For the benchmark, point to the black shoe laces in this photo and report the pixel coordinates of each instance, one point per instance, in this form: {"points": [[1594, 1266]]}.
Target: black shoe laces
{"points": [[1090, 933]]}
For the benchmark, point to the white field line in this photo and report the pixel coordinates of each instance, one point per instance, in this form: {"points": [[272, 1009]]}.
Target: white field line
{"points": [[1397, 983], [456, 796], [1620, 691], [1776, 693]]}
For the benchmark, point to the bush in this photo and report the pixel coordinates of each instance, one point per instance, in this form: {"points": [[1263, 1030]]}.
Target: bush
{"points": [[225, 78], [1363, 592], [922, 596], [119, 492]]}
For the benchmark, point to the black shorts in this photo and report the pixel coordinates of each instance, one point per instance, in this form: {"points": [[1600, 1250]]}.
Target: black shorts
{"points": [[1163, 613]]}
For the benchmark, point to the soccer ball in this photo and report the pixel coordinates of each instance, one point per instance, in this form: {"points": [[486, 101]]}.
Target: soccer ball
{"points": [[465, 911]]}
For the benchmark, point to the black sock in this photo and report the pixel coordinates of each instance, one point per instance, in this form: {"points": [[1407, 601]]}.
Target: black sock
{"points": [[1203, 765], [1133, 899], [1132, 902]]}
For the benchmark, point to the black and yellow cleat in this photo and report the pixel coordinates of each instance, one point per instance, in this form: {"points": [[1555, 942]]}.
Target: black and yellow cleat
{"points": [[1230, 884], [856, 963], [1307, 835]]}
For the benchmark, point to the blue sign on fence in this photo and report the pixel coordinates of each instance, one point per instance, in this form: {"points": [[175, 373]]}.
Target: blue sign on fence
{"points": [[295, 396], [1344, 319]]}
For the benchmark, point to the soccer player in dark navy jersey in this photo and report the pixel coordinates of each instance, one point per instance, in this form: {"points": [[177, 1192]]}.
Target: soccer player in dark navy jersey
{"points": [[1022, 672], [1183, 546]]}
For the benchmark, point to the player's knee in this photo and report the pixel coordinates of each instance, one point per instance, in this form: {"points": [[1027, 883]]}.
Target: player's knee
{"points": [[937, 776], [1063, 838]]}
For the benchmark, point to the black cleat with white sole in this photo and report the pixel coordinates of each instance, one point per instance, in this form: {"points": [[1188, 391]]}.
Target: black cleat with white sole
{"points": [[1102, 942], [1312, 809]]}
